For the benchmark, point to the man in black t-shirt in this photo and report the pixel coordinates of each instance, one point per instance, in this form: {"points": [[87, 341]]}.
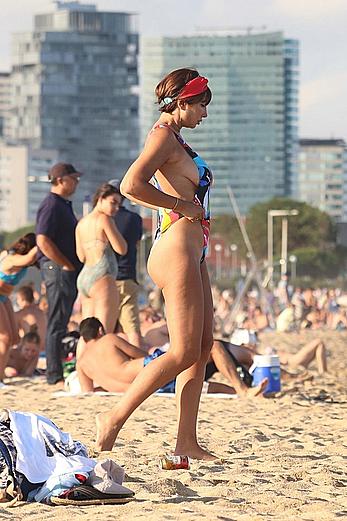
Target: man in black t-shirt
{"points": [[130, 226], [55, 235]]}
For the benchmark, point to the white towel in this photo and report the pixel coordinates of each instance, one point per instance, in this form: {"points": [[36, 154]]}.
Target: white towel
{"points": [[43, 450], [108, 477]]}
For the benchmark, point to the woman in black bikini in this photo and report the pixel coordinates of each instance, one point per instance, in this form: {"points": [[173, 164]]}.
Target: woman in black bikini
{"points": [[176, 263]]}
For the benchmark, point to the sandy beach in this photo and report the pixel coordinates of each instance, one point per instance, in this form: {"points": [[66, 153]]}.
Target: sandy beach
{"points": [[283, 458]]}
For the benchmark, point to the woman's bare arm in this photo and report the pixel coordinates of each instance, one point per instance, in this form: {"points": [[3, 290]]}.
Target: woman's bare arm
{"points": [[112, 233], [20, 261], [127, 348], [79, 247], [136, 183]]}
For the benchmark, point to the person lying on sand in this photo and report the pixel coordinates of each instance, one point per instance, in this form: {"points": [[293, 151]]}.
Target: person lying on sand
{"points": [[153, 326], [113, 363], [312, 351], [154, 330], [30, 315]]}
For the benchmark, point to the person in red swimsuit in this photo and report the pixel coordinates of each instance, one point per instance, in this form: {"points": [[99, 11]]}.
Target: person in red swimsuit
{"points": [[176, 263]]}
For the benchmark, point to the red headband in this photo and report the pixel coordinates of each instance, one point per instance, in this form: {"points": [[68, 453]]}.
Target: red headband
{"points": [[194, 87]]}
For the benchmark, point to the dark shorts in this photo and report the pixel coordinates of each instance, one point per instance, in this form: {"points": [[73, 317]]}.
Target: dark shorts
{"points": [[211, 369]]}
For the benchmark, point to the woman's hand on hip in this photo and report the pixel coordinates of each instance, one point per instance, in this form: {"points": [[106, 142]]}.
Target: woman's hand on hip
{"points": [[192, 211]]}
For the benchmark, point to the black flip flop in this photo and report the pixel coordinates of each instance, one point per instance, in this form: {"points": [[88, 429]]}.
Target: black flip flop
{"points": [[87, 495]]}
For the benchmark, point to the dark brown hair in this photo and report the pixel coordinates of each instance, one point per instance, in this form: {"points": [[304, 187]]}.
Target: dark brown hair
{"points": [[104, 191], [26, 292], [23, 245], [89, 328], [173, 83], [32, 337]]}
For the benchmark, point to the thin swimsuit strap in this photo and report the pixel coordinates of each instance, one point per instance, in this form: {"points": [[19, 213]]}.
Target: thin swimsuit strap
{"points": [[178, 136], [95, 240]]}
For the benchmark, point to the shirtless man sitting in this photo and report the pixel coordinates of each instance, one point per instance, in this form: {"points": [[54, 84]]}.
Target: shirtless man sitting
{"points": [[30, 314], [23, 358], [112, 363], [108, 360]]}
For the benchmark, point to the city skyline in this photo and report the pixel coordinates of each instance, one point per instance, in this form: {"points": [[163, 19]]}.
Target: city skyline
{"points": [[319, 26], [71, 92]]}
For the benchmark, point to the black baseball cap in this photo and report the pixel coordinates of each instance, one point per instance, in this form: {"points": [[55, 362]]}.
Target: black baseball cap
{"points": [[62, 170]]}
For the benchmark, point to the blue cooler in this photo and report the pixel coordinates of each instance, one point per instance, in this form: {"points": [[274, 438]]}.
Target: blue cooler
{"points": [[267, 366]]}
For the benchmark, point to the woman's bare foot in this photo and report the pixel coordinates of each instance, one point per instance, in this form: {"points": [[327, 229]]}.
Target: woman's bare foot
{"points": [[195, 452], [258, 390], [106, 432]]}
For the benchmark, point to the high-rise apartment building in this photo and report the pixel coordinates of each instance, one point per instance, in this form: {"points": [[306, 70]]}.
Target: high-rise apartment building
{"points": [[23, 183], [322, 178], [73, 89], [4, 99], [13, 200], [250, 136], [291, 117]]}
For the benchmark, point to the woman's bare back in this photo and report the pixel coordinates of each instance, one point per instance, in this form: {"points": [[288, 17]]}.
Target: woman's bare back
{"points": [[92, 238]]}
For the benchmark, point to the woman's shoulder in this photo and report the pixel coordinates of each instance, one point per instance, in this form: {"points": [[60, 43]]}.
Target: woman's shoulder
{"points": [[7, 258], [103, 219], [161, 132], [88, 221], [160, 126]]}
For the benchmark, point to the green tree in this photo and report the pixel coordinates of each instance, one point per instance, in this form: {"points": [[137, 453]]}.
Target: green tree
{"points": [[311, 236], [228, 228], [311, 228], [317, 263]]}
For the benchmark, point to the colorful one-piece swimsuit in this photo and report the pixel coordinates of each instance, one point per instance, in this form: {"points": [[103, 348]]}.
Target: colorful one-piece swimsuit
{"points": [[166, 216]]}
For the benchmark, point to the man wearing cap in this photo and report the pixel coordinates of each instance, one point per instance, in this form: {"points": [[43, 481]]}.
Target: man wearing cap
{"points": [[55, 235], [130, 226]]}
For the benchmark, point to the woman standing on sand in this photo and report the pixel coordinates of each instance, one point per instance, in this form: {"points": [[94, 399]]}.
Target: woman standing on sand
{"points": [[97, 238], [177, 260], [13, 267]]}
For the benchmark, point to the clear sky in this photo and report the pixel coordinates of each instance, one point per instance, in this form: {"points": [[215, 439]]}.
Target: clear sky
{"points": [[320, 26]]}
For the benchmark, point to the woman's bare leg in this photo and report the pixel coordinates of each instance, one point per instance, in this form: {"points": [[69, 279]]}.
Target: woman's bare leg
{"points": [[4, 351], [226, 367], [8, 334], [218, 387], [189, 382], [105, 296], [243, 354], [183, 281], [312, 350], [321, 358]]}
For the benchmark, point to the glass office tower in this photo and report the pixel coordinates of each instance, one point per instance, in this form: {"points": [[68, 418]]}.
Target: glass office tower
{"points": [[250, 136], [322, 175], [74, 89]]}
